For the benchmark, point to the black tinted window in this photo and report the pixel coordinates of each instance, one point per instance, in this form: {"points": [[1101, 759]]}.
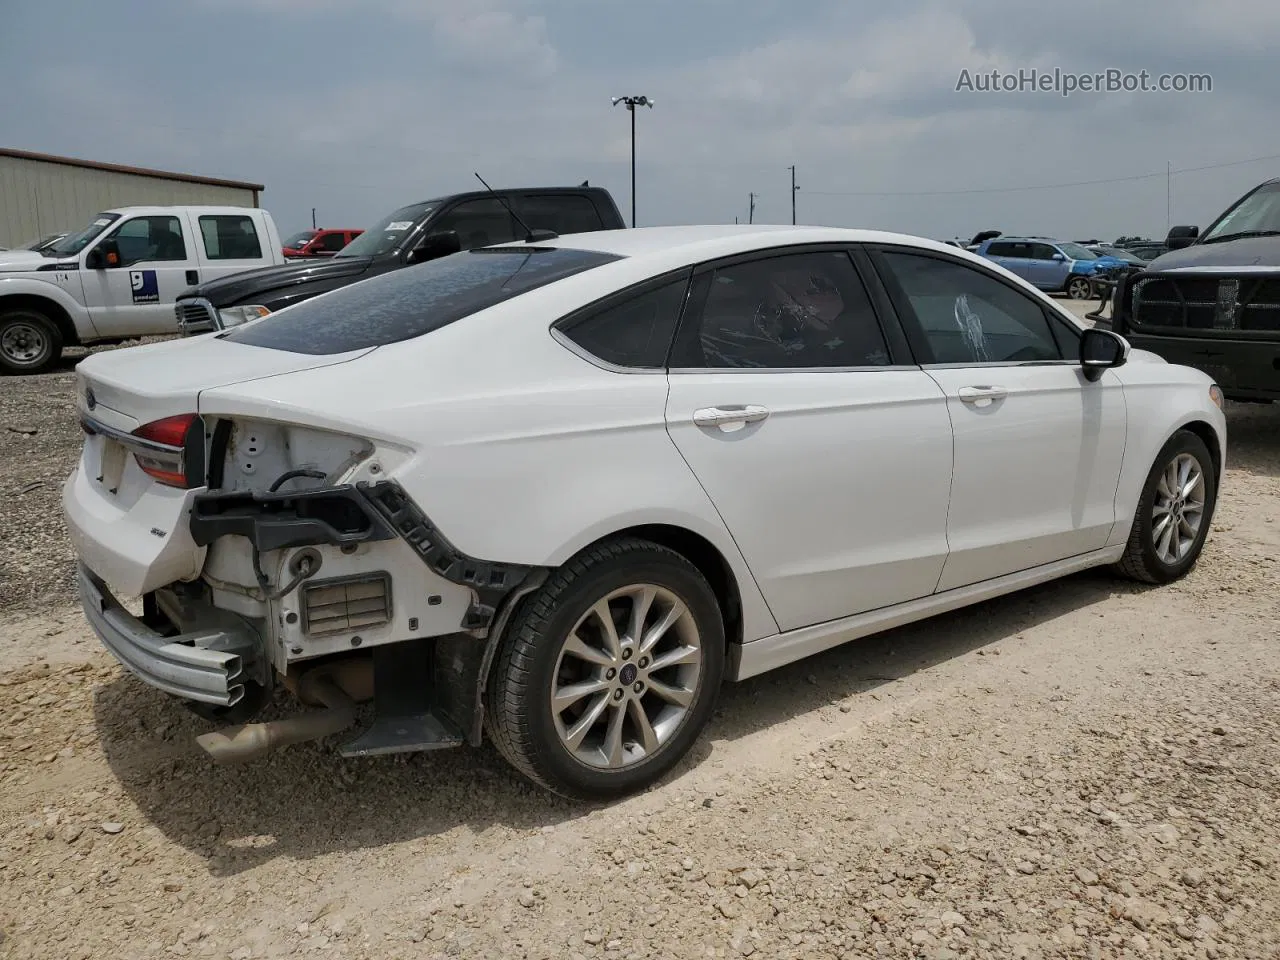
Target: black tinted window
{"points": [[563, 213], [969, 317], [230, 238], [415, 300], [478, 223], [1000, 249], [796, 310], [635, 333]]}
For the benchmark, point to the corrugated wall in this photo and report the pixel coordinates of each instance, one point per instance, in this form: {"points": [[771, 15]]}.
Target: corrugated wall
{"points": [[37, 197]]}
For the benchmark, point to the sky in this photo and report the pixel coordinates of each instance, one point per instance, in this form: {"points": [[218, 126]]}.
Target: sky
{"points": [[356, 107]]}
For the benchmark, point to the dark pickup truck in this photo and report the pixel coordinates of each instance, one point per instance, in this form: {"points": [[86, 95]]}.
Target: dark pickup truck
{"points": [[1213, 301], [412, 234]]}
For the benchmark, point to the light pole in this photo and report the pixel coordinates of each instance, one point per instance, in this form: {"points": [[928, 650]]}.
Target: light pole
{"points": [[632, 103]]}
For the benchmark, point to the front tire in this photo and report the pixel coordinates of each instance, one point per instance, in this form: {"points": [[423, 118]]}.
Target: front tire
{"points": [[1079, 288], [29, 342], [609, 672], [1174, 513]]}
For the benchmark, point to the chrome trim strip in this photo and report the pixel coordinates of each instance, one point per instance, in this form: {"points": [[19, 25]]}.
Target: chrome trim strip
{"points": [[93, 425]]}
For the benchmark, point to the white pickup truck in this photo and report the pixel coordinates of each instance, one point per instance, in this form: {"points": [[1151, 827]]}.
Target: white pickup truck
{"points": [[119, 277]]}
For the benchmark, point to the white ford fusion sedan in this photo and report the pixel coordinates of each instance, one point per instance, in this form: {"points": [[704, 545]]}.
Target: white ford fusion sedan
{"points": [[558, 491]]}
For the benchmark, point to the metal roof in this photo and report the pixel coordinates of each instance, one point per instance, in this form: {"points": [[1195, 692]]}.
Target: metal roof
{"points": [[135, 171]]}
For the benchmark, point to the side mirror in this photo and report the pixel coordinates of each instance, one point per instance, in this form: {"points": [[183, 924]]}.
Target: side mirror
{"points": [[1100, 350], [1058, 257], [1183, 236], [435, 245], [104, 255]]}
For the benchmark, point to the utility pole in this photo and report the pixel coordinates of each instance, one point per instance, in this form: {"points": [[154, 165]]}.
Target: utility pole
{"points": [[632, 103], [1168, 196], [794, 188], [751, 213], [313, 218]]}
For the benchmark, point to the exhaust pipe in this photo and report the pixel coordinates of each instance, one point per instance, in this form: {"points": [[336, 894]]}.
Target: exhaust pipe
{"points": [[254, 740]]}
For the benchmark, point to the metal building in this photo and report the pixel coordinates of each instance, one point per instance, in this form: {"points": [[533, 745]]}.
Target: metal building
{"points": [[42, 194]]}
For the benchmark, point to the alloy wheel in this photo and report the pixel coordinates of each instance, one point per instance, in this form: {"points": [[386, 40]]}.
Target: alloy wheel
{"points": [[1178, 509], [626, 677]]}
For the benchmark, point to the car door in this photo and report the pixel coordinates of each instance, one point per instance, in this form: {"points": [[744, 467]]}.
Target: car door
{"points": [[1043, 270], [229, 243], [826, 451], [1015, 257], [135, 296], [1038, 448]]}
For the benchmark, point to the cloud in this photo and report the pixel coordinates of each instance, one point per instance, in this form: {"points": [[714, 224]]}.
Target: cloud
{"points": [[369, 106]]}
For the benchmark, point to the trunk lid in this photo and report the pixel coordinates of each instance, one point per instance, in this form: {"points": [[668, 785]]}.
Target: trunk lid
{"points": [[142, 384]]}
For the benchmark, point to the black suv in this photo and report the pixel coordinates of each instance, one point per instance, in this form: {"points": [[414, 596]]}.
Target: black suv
{"points": [[1213, 301], [412, 234]]}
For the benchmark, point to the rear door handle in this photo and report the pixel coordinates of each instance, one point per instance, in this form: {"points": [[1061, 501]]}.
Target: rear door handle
{"points": [[979, 394], [728, 416]]}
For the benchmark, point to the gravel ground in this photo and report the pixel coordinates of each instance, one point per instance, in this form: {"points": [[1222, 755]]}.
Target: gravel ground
{"points": [[1089, 769]]}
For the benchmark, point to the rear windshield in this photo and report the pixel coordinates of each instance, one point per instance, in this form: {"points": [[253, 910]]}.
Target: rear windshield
{"points": [[414, 300]]}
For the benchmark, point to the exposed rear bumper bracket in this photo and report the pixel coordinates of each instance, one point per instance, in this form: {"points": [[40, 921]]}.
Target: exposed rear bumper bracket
{"points": [[491, 581], [275, 521]]}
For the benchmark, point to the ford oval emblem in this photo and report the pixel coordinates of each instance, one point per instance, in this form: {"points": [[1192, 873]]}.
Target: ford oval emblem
{"points": [[89, 399]]}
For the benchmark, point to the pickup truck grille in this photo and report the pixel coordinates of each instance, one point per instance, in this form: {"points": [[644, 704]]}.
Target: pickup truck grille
{"points": [[1248, 303], [345, 605], [196, 316]]}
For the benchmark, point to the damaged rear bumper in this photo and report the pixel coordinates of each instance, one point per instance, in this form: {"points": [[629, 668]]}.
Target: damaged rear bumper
{"points": [[207, 666]]}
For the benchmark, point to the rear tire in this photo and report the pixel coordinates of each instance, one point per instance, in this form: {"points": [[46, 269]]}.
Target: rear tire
{"points": [[1174, 513], [592, 712], [29, 342]]}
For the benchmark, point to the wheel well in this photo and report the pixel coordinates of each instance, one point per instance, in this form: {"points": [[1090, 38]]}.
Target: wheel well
{"points": [[1210, 438], [710, 562], [51, 309]]}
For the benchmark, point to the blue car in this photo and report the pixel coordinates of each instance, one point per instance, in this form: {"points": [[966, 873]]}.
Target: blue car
{"points": [[1056, 266]]}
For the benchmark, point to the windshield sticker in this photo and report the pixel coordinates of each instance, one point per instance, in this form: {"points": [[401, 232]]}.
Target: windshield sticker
{"points": [[145, 287], [970, 325], [399, 225], [102, 223]]}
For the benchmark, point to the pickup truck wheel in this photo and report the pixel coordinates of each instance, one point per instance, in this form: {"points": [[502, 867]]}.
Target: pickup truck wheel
{"points": [[1080, 288], [609, 672], [1174, 512], [29, 342]]}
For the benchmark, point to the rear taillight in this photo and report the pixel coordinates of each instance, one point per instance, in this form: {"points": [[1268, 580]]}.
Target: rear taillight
{"points": [[164, 451]]}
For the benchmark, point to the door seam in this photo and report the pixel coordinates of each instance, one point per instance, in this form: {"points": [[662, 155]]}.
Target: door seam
{"points": [[666, 426]]}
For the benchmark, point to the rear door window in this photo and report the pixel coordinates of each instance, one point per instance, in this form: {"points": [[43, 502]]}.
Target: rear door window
{"points": [[230, 237], [409, 303], [563, 213], [478, 223]]}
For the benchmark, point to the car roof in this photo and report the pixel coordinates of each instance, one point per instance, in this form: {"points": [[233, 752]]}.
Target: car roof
{"points": [[720, 240], [193, 208]]}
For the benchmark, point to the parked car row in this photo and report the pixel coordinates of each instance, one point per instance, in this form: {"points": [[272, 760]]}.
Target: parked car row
{"points": [[145, 271], [318, 243]]}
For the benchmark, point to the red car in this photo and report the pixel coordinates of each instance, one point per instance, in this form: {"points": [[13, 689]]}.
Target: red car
{"points": [[318, 243]]}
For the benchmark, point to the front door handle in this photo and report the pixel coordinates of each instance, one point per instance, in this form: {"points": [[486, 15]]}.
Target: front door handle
{"points": [[979, 394], [728, 416]]}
